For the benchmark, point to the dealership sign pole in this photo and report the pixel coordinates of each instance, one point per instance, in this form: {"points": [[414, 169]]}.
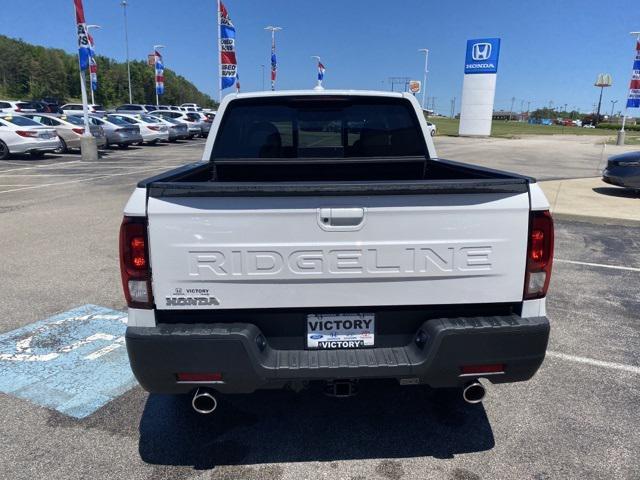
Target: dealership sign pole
{"points": [[633, 100], [479, 86]]}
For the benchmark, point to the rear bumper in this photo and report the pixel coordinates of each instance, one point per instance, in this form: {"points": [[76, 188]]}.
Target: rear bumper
{"points": [[157, 354]]}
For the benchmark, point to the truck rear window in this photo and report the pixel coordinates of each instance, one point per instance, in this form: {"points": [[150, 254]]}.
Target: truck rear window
{"points": [[319, 127]]}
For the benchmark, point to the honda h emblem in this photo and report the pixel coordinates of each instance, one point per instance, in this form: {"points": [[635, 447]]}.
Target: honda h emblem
{"points": [[481, 51]]}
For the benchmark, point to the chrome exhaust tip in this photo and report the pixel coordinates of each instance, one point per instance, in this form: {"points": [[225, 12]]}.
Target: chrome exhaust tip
{"points": [[204, 402], [474, 392]]}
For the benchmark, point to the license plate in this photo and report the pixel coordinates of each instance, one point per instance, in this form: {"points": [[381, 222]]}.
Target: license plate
{"points": [[342, 330]]}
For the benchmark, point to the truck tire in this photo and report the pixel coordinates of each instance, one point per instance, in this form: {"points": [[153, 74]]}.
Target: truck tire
{"points": [[4, 151]]}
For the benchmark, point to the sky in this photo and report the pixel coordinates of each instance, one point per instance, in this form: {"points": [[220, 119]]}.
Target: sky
{"points": [[552, 50]]}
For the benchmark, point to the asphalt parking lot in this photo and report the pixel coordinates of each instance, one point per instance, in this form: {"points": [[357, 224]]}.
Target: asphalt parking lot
{"points": [[578, 418]]}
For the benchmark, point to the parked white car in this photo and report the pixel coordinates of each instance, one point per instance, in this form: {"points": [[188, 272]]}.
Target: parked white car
{"points": [[19, 134], [76, 109], [151, 129], [16, 106], [190, 119], [432, 129]]}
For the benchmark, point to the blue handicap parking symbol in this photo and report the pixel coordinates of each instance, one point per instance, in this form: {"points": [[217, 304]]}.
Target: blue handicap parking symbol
{"points": [[74, 362]]}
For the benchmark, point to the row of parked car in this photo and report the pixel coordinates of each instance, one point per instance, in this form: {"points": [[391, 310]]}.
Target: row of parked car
{"points": [[38, 133]]}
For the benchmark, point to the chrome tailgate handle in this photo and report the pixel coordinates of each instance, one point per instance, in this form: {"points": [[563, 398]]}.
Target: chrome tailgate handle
{"points": [[341, 218]]}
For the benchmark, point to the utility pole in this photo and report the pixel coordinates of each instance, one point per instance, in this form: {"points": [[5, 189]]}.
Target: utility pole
{"points": [[126, 42], [404, 81], [273, 31], [453, 107], [513, 99], [433, 104], [528, 107], [424, 77]]}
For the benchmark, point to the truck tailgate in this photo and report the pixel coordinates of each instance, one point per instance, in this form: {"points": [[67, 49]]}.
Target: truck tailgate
{"points": [[333, 251]]}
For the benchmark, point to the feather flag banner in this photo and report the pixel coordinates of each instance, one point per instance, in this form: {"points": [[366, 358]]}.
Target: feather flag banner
{"points": [[228, 62]]}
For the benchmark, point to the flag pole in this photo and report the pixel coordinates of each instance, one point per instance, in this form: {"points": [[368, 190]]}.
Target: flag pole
{"points": [[273, 49], [219, 55]]}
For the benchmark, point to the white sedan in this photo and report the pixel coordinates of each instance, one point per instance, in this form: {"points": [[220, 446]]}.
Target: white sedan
{"points": [[19, 134], [151, 129], [432, 128]]}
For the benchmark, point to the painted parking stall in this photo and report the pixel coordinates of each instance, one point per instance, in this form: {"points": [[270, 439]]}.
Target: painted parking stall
{"points": [[74, 362]]}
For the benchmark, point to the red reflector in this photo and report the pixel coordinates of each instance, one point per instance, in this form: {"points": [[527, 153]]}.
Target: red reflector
{"points": [[79, 131], [199, 377], [537, 245], [478, 369], [138, 253]]}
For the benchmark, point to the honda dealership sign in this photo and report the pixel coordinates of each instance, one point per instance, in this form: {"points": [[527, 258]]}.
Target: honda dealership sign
{"points": [[479, 86]]}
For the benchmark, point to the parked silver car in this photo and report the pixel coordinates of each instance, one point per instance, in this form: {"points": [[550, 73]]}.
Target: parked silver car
{"points": [[190, 119], [132, 109], [117, 131], [69, 128], [177, 130]]}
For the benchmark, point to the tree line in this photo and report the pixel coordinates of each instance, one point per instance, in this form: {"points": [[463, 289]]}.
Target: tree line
{"points": [[31, 72]]}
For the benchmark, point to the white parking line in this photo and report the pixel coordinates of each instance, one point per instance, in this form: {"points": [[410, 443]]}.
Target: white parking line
{"points": [[595, 363], [97, 177], [598, 265], [47, 165]]}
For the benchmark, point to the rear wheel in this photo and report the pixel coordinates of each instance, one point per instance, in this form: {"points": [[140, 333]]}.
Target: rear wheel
{"points": [[123, 145], [4, 150], [63, 147], [433, 133], [153, 142]]}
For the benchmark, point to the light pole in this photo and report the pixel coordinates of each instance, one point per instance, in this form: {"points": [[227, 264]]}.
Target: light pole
{"points": [[89, 27], [424, 76], [613, 104], [155, 59], [126, 43], [603, 80], [273, 31]]}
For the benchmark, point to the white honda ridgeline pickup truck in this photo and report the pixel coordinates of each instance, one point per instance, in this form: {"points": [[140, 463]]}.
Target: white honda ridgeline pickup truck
{"points": [[322, 239]]}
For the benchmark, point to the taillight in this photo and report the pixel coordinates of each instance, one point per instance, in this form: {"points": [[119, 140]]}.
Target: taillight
{"points": [[18, 109], [134, 262], [27, 133], [79, 131], [539, 255]]}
